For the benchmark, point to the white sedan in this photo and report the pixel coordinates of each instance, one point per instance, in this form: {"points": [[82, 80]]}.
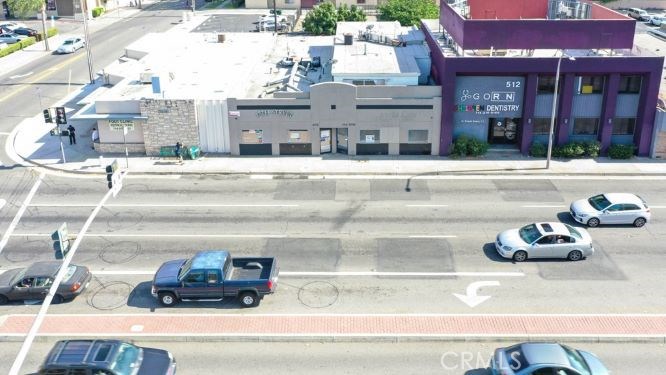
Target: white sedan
{"points": [[70, 45], [11, 38], [657, 20], [544, 240], [611, 208]]}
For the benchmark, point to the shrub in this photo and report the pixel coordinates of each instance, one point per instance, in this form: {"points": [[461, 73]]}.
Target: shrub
{"points": [[572, 150], [538, 150], [10, 49], [460, 146], [476, 147], [28, 42], [592, 149], [96, 12], [618, 151]]}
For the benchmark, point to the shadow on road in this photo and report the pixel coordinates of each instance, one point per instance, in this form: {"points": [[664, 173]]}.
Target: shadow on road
{"points": [[141, 297]]}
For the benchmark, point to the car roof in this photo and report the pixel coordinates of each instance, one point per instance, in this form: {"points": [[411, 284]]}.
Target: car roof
{"points": [[545, 353], [623, 198], [48, 268], [77, 352], [552, 228]]}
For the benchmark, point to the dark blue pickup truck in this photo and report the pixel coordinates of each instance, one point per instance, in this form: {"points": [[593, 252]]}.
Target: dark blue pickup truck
{"points": [[214, 275]]}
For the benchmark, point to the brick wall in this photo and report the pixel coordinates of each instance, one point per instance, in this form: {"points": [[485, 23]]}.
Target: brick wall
{"points": [[169, 121]]}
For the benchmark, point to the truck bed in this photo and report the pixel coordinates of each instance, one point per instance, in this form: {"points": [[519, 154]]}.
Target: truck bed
{"points": [[241, 271]]}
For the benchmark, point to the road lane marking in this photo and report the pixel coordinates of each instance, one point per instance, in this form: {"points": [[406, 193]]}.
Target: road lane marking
{"points": [[544, 206], [10, 230], [426, 205], [42, 75], [2, 203], [432, 236], [21, 75], [171, 235], [657, 206], [337, 273], [149, 205]]}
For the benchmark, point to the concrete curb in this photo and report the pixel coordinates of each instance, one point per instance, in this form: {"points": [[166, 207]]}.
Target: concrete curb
{"points": [[362, 339]]}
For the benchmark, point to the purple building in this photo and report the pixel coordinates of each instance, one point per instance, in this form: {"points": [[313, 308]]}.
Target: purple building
{"points": [[497, 60]]}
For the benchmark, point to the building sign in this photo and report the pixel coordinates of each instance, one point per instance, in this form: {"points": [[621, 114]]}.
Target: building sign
{"points": [[275, 112], [489, 96], [120, 125]]}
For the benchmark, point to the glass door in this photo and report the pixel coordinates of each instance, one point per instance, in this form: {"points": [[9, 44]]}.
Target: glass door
{"points": [[341, 140], [325, 140]]}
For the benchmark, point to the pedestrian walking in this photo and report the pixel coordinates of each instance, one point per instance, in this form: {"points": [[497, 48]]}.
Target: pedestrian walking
{"points": [[72, 135], [95, 137], [178, 151]]}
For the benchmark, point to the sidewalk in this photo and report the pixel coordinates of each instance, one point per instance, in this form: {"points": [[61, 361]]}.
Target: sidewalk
{"points": [[350, 327]]}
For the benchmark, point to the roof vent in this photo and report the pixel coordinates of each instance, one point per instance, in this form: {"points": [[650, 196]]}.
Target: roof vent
{"points": [[146, 77]]}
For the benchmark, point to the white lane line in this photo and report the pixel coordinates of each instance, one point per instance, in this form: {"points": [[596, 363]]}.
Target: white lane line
{"points": [[17, 217], [170, 235], [261, 177], [433, 236], [426, 205], [339, 273], [657, 206], [2, 203], [159, 205], [544, 206], [5, 133]]}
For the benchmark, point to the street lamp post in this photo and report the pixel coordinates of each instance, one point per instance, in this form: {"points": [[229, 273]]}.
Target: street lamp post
{"points": [[552, 117], [84, 10]]}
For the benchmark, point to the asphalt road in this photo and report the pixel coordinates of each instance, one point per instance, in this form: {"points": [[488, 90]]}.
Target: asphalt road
{"points": [[455, 358], [345, 225]]}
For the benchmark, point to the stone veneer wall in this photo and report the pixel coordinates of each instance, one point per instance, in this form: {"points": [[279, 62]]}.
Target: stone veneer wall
{"points": [[113, 148], [169, 121]]}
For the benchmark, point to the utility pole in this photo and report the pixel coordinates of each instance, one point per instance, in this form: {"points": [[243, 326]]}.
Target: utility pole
{"points": [[275, 17], [46, 36], [84, 10]]}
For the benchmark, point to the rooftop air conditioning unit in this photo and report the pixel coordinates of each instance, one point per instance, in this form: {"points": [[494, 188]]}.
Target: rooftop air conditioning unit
{"points": [[146, 77]]}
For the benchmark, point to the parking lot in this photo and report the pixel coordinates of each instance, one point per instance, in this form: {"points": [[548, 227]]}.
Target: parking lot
{"points": [[233, 23]]}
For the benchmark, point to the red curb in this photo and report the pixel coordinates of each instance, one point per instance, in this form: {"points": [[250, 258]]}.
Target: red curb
{"points": [[331, 325]]}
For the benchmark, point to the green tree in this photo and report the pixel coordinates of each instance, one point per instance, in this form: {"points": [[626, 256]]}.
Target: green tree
{"points": [[25, 8], [408, 12], [324, 17]]}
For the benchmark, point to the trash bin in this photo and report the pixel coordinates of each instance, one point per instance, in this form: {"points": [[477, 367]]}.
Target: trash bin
{"points": [[193, 152]]}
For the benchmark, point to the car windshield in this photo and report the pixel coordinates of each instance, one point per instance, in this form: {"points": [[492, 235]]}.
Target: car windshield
{"points": [[70, 272], [599, 202], [529, 233], [127, 360], [68, 42], [573, 231], [185, 269], [577, 361], [18, 276]]}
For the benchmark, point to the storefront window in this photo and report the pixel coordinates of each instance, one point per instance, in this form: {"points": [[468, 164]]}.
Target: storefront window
{"points": [[546, 85], [590, 85], [541, 125], [299, 136], [252, 136], [417, 136], [369, 136], [585, 126], [630, 84], [624, 125]]}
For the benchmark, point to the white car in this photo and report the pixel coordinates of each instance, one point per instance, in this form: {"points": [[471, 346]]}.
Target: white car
{"points": [[658, 19], [71, 45], [11, 38], [11, 25], [611, 208], [270, 17], [544, 240]]}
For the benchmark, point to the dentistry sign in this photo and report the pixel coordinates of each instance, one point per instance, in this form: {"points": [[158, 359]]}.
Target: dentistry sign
{"points": [[489, 96]]}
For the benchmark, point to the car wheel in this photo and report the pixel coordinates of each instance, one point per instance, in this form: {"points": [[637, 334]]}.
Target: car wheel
{"points": [[3, 300], [520, 256], [167, 299], [639, 222], [593, 222], [248, 299], [57, 299], [575, 256]]}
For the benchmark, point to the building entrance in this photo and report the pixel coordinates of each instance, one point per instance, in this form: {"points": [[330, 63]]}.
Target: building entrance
{"points": [[341, 140], [325, 140], [503, 130]]}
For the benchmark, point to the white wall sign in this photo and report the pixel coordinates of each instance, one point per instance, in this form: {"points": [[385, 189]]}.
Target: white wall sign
{"points": [[119, 125]]}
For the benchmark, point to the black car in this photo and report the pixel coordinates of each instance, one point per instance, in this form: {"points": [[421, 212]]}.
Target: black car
{"points": [[34, 282], [108, 357], [26, 31]]}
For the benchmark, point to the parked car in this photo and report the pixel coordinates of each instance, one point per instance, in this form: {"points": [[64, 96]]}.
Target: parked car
{"points": [[611, 208], [270, 17], [108, 357], [658, 19], [34, 282], [269, 25], [544, 240], [11, 38], [534, 358], [11, 25], [71, 45], [638, 14], [26, 31], [213, 275]]}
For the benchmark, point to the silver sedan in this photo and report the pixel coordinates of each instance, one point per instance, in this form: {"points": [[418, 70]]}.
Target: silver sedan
{"points": [[11, 38], [544, 240], [611, 208]]}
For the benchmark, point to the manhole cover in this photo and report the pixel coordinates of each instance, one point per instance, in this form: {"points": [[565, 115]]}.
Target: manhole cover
{"points": [[110, 296], [318, 294]]}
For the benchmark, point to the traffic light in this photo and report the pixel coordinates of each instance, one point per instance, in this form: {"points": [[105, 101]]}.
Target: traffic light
{"points": [[112, 174], [61, 117], [60, 241], [47, 116]]}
